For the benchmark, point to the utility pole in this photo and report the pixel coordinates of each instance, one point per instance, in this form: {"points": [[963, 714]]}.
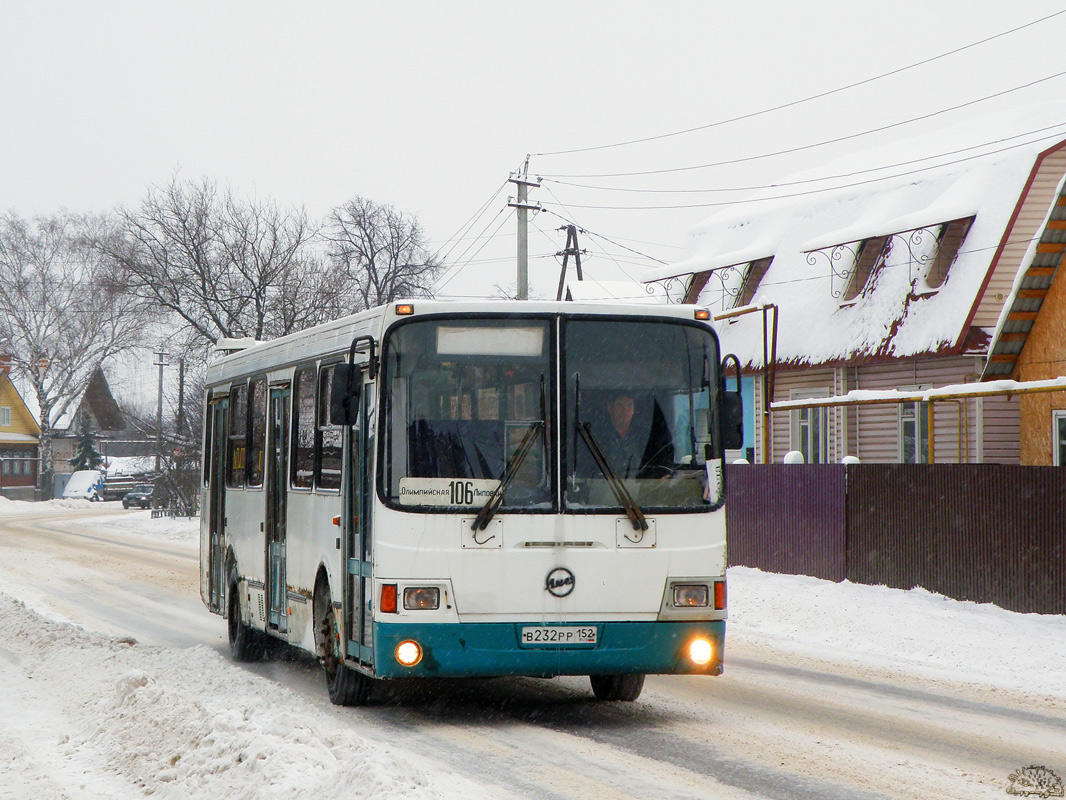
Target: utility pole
{"points": [[571, 249], [159, 411], [523, 207]]}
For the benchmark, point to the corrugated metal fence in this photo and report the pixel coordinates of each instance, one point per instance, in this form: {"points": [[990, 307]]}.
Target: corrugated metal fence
{"points": [[990, 533]]}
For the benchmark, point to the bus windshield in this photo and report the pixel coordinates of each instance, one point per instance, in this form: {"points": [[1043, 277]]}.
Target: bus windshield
{"points": [[638, 395], [463, 396]]}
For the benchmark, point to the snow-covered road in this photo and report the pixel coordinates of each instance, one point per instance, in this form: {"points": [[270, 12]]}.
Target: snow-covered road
{"points": [[115, 683]]}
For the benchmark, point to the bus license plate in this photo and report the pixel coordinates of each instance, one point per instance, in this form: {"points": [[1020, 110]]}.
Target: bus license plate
{"points": [[559, 634]]}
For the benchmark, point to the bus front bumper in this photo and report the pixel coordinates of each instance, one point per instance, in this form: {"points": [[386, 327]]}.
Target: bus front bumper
{"points": [[452, 650]]}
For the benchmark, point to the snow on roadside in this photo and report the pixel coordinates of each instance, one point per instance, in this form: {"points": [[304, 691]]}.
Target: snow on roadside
{"points": [[150, 720], [913, 631]]}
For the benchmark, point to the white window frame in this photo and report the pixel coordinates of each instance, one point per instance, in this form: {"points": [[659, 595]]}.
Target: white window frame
{"points": [[921, 431], [1058, 442], [5, 416], [799, 428]]}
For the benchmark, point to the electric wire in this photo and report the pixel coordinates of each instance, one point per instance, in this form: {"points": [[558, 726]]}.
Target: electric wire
{"points": [[841, 176], [807, 99], [823, 190], [813, 145], [462, 264]]}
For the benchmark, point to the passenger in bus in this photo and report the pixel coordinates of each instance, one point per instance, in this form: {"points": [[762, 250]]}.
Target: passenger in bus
{"points": [[637, 450]]}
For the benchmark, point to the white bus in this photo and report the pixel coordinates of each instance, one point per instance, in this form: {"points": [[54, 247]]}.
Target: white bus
{"points": [[434, 489]]}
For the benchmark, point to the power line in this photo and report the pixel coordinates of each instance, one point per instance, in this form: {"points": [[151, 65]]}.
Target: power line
{"points": [[807, 99], [814, 145], [824, 190], [463, 265], [823, 178]]}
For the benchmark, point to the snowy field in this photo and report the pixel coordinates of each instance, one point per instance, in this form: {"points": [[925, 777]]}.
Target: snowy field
{"points": [[87, 715]]}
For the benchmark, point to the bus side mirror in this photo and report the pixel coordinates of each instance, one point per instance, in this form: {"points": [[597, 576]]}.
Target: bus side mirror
{"points": [[344, 392], [732, 421], [732, 409]]}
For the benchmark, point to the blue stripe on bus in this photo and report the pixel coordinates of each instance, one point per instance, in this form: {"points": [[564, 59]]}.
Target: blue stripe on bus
{"points": [[492, 649]]}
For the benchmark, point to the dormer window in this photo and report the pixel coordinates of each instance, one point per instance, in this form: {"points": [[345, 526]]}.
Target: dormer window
{"points": [[871, 255], [752, 278], [949, 240]]}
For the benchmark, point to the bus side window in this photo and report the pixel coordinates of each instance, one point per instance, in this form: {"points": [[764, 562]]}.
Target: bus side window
{"points": [[238, 422], [327, 438], [209, 441], [303, 423], [257, 424]]}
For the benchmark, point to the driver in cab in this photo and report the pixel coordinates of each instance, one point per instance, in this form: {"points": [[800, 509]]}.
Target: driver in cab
{"points": [[644, 451]]}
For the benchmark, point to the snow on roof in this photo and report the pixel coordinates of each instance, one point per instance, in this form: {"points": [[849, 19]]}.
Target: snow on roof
{"points": [[811, 232], [590, 290]]}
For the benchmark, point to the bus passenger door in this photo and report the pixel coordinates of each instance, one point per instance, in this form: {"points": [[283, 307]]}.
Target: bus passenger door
{"points": [[216, 494], [359, 614], [277, 479]]}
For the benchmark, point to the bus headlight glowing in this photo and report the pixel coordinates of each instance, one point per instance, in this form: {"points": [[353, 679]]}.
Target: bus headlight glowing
{"points": [[700, 651], [421, 598], [688, 595], [408, 652]]}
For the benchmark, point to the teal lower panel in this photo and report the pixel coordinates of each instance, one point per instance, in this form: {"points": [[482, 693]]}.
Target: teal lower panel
{"points": [[493, 649]]}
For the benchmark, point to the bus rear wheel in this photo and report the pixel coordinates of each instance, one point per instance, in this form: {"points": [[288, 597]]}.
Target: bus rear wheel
{"points": [[626, 688], [346, 686], [245, 644]]}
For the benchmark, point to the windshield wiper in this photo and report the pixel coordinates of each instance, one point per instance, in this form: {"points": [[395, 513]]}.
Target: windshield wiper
{"points": [[625, 499], [492, 505]]}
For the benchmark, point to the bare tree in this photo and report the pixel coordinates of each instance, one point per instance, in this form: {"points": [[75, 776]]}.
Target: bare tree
{"points": [[382, 250], [62, 314], [225, 267]]}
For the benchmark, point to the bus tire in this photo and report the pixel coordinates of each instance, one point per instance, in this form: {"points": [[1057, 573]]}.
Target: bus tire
{"points": [[346, 686], [626, 688], [245, 644]]}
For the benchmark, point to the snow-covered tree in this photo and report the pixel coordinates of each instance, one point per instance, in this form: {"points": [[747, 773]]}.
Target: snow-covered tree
{"points": [[86, 456], [62, 313]]}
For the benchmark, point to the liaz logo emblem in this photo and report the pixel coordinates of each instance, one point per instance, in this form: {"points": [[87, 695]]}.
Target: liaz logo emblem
{"points": [[560, 582]]}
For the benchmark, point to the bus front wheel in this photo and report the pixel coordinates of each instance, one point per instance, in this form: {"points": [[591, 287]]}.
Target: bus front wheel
{"points": [[346, 686], [617, 687], [245, 644]]}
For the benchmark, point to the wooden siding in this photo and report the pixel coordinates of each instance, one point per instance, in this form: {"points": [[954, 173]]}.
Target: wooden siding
{"points": [[21, 421], [965, 431], [1034, 211], [1043, 357]]}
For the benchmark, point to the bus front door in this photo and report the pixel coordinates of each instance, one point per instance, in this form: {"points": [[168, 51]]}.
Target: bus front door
{"points": [[277, 587], [216, 497], [360, 616]]}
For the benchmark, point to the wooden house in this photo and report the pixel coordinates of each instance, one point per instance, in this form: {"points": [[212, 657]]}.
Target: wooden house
{"points": [[18, 442], [911, 271]]}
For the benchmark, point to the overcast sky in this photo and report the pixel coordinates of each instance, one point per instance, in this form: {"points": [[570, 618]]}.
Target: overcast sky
{"points": [[430, 105]]}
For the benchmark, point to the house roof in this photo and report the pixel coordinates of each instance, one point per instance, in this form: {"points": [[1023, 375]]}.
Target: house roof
{"points": [[96, 396], [10, 392], [815, 238], [613, 291]]}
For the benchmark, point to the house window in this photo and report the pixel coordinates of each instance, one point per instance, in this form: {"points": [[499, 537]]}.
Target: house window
{"points": [[1058, 436], [809, 427], [914, 432], [752, 278], [872, 254], [949, 240], [5, 416]]}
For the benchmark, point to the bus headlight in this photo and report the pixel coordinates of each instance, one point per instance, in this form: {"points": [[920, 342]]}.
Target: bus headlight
{"points": [[421, 598], [700, 651], [691, 595], [408, 652]]}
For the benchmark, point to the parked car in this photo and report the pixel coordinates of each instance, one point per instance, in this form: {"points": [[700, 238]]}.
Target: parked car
{"points": [[85, 484], [141, 496]]}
